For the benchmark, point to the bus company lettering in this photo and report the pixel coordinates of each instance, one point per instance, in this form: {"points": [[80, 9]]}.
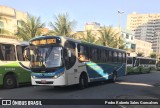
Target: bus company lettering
{"points": [[10, 69]]}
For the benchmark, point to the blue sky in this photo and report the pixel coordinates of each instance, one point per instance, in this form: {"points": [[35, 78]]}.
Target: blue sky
{"points": [[82, 11]]}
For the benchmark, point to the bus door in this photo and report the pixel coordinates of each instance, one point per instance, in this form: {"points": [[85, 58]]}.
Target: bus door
{"points": [[69, 61]]}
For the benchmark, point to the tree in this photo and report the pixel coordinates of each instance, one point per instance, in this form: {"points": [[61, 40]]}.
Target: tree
{"points": [[108, 37], [140, 54], [30, 28], [153, 55], [88, 36], [5, 32], [62, 25]]}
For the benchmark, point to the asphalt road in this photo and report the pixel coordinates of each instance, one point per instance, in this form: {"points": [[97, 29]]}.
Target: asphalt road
{"points": [[142, 86]]}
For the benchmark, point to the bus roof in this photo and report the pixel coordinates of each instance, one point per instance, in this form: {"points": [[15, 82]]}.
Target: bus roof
{"points": [[78, 41], [13, 41]]}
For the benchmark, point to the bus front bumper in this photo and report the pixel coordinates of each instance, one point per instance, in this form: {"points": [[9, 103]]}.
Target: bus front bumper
{"points": [[60, 81]]}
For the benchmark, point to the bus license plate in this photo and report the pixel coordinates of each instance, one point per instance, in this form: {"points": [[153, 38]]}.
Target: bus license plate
{"points": [[43, 81]]}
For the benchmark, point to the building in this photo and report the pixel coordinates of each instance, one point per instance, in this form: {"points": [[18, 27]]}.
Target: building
{"points": [[92, 26], [146, 27], [143, 47], [129, 39], [10, 18]]}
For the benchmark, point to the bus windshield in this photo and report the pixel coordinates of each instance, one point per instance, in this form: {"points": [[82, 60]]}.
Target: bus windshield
{"points": [[46, 57]]}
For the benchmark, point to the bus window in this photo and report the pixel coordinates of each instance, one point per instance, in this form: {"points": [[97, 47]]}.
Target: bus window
{"points": [[69, 61], [110, 56], [124, 57], [114, 56], [120, 57], [93, 54], [8, 52], [103, 56], [20, 51], [107, 55], [83, 53]]}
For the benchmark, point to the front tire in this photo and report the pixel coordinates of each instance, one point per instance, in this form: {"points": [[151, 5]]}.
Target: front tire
{"points": [[83, 81], [9, 81]]}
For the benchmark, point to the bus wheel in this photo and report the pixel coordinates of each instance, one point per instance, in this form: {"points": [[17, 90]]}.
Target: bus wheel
{"points": [[9, 81], [114, 77], [83, 81]]}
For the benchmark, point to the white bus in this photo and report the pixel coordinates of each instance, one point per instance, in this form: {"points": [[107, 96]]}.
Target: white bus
{"points": [[62, 61]]}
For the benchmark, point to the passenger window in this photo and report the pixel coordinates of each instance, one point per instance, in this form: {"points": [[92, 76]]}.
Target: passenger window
{"points": [[83, 53], [7, 52]]}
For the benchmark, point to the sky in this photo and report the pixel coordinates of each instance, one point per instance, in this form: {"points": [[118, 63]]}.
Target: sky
{"points": [[85, 11]]}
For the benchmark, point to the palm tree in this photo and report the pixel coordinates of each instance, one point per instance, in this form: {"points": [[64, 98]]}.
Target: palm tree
{"points": [[5, 32], [88, 36], [153, 55], [108, 37], [30, 28], [140, 54], [62, 25]]}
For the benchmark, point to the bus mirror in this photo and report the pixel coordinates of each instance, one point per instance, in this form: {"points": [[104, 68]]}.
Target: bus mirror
{"points": [[69, 53]]}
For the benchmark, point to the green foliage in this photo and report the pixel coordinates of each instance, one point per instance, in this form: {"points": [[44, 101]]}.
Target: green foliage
{"points": [[111, 38], [153, 55], [140, 54], [139, 70], [30, 28], [5, 32], [62, 26], [88, 36]]}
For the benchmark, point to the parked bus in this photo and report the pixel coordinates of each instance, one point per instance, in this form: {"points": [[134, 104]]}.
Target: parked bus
{"points": [[14, 69], [140, 64], [61, 61]]}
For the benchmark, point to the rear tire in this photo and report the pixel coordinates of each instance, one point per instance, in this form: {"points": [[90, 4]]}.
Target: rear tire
{"points": [[9, 81], [83, 81]]}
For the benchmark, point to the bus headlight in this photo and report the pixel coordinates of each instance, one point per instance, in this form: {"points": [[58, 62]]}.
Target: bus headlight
{"points": [[34, 77], [58, 75]]}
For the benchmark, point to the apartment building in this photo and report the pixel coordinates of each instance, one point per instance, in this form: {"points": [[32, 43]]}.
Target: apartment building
{"points": [[146, 27], [143, 47], [10, 18]]}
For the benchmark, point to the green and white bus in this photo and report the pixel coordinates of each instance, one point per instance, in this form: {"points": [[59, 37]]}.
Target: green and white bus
{"points": [[62, 61], [140, 64], [14, 69]]}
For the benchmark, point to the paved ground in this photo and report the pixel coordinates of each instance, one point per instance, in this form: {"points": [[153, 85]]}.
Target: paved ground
{"points": [[127, 87]]}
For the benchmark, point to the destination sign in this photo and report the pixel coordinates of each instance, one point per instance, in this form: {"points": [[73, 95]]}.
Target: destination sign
{"points": [[43, 41]]}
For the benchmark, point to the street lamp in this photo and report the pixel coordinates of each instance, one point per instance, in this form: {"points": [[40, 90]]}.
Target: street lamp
{"points": [[119, 13]]}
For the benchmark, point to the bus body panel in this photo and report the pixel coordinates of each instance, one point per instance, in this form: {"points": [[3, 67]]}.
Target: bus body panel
{"points": [[23, 75]]}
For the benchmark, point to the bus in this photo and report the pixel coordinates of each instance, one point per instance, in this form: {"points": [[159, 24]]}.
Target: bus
{"points": [[14, 69], [140, 64], [61, 61]]}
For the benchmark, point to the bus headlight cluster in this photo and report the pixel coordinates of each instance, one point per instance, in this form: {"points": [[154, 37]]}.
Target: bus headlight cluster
{"points": [[34, 77], [58, 75]]}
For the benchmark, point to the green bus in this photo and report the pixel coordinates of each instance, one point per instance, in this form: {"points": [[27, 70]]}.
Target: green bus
{"points": [[14, 69]]}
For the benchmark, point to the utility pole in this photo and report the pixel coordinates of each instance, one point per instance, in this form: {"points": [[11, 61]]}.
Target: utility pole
{"points": [[119, 14]]}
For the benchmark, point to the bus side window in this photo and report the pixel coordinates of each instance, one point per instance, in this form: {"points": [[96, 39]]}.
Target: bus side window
{"points": [[8, 52], [114, 56], [83, 53], [69, 61], [107, 55], [1, 54], [110, 56]]}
